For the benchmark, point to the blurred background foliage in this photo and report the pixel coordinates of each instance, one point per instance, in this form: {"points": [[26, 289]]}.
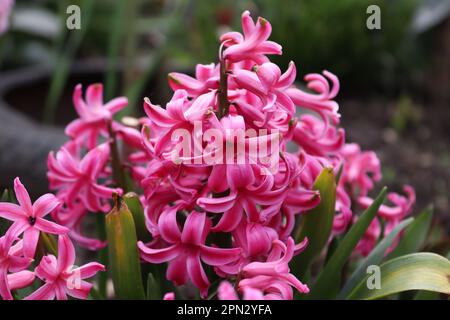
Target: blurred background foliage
{"points": [[317, 35]]}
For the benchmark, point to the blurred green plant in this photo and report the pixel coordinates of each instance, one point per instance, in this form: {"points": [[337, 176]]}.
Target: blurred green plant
{"points": [[135, 37], [65, 54], [333, 35], [405, 113], [317, 34]]}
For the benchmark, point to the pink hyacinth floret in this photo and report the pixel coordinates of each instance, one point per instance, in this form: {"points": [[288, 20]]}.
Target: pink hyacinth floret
{"points": [[13, 261], [95, 115], [186, 250], [76, 180], [61, 277], [28, 218]]}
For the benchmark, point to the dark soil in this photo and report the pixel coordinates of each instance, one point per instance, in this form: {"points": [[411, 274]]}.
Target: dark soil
{"points": [[418, 155]]}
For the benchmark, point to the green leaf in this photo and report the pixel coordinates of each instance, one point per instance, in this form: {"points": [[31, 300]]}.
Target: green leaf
{"points": [[117, 23], [415, 235], [133, 203], [49, 242], [123, 252], [417, 271], [374, 258], [64, 59], [322, 216], [426, 295], [339, 174], [134, 90], [5, 196], [95, 294], [11, 196], [153, 288], [327, 284]]}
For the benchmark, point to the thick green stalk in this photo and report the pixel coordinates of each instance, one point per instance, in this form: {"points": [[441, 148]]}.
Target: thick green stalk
{"points": [[123, 252], [316, 225], [134, 204]]}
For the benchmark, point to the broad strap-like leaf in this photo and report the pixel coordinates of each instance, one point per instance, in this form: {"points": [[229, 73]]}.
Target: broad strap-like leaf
{"points": [[427, 295], [133, 203], [316, 224], [124, 260], [417, 271], [327, 284], [374, 258], [414, 236]]}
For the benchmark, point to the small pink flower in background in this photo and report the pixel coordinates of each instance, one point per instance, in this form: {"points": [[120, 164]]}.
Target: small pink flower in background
{"points": [[402, 205], [370, 238], [72, 218], [94, 115], [186, 250], [5, 12], [77, 179], [169, 296], [362, 169], [61, 277], [12, 260], [344, 213], [29, 219], [322, 101], [253, 45], [392, 215]]}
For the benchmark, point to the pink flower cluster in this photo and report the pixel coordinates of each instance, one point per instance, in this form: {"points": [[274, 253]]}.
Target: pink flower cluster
{"points": [[227, 220], [80, 172], [250, 209], [59, 275], [80, 175]]}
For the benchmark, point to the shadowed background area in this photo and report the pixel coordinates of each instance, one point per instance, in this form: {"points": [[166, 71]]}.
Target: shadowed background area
{"points": [[395, 82]]}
